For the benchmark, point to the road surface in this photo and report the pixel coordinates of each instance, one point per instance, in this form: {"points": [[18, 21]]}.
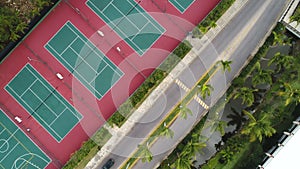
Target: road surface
{"points": [[235, 42]]}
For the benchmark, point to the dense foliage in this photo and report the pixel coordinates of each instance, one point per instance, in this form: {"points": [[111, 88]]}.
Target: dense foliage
{"points": [[265, 126], [15, 17], [296, 15]]}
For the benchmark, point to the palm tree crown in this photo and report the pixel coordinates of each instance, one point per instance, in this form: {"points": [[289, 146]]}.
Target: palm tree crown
{"points": [[282, 61], [205, 90], [236, 118], [184, 111], [258, 128], [145, 154], [246, 94], [262, 77], [167, 132], [226, 65]]}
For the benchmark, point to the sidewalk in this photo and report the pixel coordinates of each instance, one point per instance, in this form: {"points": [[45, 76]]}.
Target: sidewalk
{"points": [[198, 45]]}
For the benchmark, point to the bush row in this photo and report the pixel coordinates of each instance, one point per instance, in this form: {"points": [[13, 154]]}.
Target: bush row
{"points": [[214, 15], [97, 140]]}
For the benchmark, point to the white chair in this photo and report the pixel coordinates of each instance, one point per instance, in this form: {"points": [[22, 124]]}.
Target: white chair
{"points": [[59, 76]]}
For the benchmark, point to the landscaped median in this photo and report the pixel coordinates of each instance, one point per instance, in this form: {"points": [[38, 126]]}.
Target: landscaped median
{"points": [[169, 119]]}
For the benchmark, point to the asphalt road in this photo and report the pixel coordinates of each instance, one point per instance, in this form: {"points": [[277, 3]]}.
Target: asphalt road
{"points": [[235, 42]]}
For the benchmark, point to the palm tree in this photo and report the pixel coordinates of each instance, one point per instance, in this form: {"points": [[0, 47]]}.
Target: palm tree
{"points": [[184, 111], [296, 16], [191, 148], [203, 29], [246, 94], [145, 153], [182, 162], [258, 128], [282, 61], [226, 65], [167, 132], [215, 124], [278, 39], [262, 77], [205, 90], [236, 118], [221, 127], [212, 24], [226, 154], [290, 93]]}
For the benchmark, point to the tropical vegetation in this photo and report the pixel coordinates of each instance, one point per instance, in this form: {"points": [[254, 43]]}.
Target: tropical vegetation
{"points": [[15, 17], [266, 120], [296, 15]]}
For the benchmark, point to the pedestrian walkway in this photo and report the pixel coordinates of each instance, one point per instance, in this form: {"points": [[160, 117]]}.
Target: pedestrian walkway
{"points": [[198, 45]]}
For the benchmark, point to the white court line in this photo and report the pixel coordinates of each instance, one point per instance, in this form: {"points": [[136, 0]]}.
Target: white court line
{"points": [[93, 47], [25, 148], [184, 9], [43, 102], [83, 61], [126, 36], [77, 73], [97, 52], [28, 87], [97, 74], [9, 152], [147, 16], [2, 131], [41, 77], [58, 116], [107, 5], [126, 18], [67, 46], [142, 28], [24, 102], [50, 109]]}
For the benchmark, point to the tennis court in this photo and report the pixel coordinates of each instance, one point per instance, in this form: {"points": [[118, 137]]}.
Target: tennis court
{"points": [[82, 58], [182, 5], [17, 151], [131, 22], [43, 102]]}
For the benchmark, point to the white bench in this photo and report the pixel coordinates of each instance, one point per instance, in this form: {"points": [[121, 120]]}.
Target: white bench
{"points": [[59, 76], [18, 119]]}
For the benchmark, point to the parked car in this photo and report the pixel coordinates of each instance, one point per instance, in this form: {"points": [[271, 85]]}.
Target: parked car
{"points": [[109, 163]]}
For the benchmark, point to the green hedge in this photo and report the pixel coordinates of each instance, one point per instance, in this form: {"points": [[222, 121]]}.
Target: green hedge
{"points": [[97, 141], [214, 15]]}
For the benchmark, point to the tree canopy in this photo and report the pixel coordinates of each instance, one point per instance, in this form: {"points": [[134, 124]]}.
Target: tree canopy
{"points": [[15, 17]]}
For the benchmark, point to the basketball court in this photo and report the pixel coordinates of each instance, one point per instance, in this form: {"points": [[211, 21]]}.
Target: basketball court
{"points": [[17, 151]]}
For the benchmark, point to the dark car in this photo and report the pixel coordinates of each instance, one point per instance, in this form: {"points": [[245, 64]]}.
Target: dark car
{"points": [[109, 163]]}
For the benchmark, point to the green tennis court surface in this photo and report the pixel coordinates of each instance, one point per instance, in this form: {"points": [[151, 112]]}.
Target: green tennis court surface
{"points": [[43, 102], [130, 21], [88, 64], [181, 5], [17, 150]]}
